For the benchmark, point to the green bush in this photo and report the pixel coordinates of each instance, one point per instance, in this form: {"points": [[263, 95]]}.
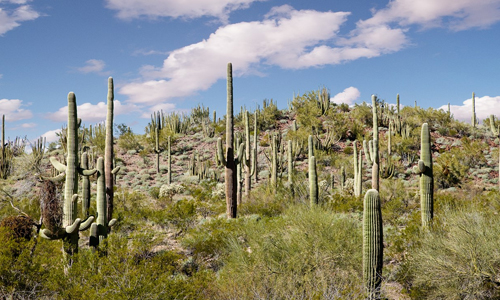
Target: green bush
{"points": [[304, 254], [459, 258]]}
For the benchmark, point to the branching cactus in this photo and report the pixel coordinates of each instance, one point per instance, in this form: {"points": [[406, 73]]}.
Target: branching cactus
{"points": [[250, 160], [85, 185], [230, 161], [424, 168], [71, 224], [372, 244], [99, 230]]}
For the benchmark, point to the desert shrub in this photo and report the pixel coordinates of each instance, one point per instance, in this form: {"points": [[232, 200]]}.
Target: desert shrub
{"points": [[459, 258], [129, 141], [304, 254]]}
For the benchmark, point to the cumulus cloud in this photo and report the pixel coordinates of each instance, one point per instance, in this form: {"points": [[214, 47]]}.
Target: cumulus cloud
{"points": [[51, 136], [348, 96], [288, 38], [28, 125], [89, 112], [128, 9], [94, 66], [452, 14], [485, 106], [11, 17], [13, 110]]}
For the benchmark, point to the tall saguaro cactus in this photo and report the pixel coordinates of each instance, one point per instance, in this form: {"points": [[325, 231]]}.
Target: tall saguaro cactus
{"points": [[375, 156], [473, 119], [372, 244], [358, 170], [230, 161], [71, 224], [108, 150], [313, 182], [424, 168]]}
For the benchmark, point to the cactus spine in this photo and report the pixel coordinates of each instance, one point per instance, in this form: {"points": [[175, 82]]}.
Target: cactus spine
{"points": [[375, 156], [424, 168], [229, 161], [372, 244]]}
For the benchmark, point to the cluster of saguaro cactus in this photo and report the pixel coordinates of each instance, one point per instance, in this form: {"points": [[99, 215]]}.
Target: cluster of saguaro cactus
{"points": [[71, 224], [372, 244], [230, 161], [424, 168], [323, 100]]}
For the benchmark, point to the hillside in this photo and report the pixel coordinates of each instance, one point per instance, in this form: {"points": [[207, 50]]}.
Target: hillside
{"points": [[174, 241]]}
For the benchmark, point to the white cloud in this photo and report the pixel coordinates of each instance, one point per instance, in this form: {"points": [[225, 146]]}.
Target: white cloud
{"points": [[452, 14], [94, 66], [28, 125], [13, 110], [128, 9], [89, 112], [348, 96], [1, 76], [51, 136], [12, 18], [288, 38], [485, 106]]}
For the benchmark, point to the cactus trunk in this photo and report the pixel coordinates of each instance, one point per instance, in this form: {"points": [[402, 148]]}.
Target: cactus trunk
{"points": [[426, 177], [375, 156], [108, 150], [231, 192], [313, 182], [372, 244]]}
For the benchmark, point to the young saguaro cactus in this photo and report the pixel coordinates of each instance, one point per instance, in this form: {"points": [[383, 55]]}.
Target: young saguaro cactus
{"points": [[424, 168], [71, 224], [99, 230], [230, 161], [372, 244]]}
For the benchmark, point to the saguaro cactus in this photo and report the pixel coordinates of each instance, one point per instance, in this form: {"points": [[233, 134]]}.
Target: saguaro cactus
{"points": [[249, 162], [372, 244], [108, 150], [71, 224], [473, 119], [230, 161], [358, 170], [424, 168], [169, 163], [100, 229], [85, 185], [375, 156], [313, 182]]}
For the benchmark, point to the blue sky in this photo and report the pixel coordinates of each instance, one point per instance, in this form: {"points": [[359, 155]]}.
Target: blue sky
{"points": [[172, 55]]}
